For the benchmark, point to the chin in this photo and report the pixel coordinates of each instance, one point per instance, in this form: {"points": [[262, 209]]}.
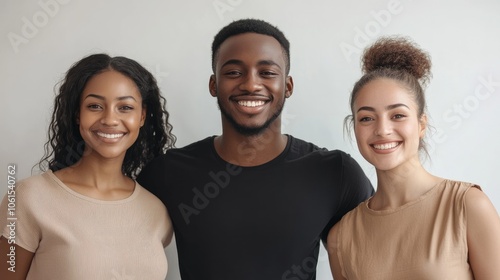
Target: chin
{"points": [[384, 166]]}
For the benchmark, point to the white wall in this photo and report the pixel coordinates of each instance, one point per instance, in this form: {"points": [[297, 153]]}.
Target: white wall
{"points": [[41, 39]]}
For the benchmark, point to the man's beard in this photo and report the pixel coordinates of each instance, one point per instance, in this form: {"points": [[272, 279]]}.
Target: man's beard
{"points": [[250, 131]]}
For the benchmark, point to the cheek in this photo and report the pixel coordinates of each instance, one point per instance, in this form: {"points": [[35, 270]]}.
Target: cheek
{"points": [[84, 120], [134, 121], [412, 132], [360, 139], [357, 135], [360, 133], [226, 84], [278, 86]]}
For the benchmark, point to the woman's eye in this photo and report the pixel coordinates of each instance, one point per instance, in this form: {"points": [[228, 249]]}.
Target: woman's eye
{"points": [[94, 107], [399, 116], [126, 108], [365, 119]]}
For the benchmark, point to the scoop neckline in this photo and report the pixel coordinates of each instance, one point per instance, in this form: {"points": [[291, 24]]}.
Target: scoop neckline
{"points": [[91, 199]]}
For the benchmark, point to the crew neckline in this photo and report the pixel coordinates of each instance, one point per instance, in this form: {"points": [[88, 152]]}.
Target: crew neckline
{"points": [[404, 206], [281, 156]]}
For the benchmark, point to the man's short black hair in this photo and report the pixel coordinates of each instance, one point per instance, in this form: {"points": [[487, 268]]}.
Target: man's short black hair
{"points": [[251, 26]]}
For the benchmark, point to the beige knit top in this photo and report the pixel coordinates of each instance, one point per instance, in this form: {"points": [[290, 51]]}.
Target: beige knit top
{"points": [[423, 239], [77, 237]]}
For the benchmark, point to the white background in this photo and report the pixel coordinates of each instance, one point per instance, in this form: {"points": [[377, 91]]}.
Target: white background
{"points": [[41, 39]]}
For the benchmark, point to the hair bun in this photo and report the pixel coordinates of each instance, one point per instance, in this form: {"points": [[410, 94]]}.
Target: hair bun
{"points": [[397, 53]]}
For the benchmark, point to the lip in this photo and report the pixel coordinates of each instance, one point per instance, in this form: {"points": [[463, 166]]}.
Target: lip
{"points": [[109, 136], [385, 147], [250, 104]]}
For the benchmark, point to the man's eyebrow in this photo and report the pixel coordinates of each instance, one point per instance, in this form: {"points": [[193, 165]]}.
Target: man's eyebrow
{"points": [[268, 62], [231, 62]]}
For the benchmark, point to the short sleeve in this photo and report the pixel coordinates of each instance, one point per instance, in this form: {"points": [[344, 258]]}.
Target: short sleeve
{"points": [[16, 218], [3, 216], [148, 177], [355, 188], [355, 185]]}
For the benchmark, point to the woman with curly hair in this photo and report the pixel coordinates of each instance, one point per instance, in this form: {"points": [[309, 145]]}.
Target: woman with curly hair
{"points": [[417, 225], [86, 217]]}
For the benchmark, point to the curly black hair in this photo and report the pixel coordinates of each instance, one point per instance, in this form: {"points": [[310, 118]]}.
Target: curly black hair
{"points": [[250, 26], [65, 145]]}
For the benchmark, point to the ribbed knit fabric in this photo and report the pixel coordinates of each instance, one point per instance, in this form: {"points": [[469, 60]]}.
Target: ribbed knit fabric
{"points": [[423, 239], [80, 238]]}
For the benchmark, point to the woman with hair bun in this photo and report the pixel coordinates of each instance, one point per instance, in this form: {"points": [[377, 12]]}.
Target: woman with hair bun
{"points": [[417, 225], [86, 217]]}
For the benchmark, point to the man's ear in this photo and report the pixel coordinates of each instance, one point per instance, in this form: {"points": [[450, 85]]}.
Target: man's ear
{"points": [[212, 85], [288, 86]]}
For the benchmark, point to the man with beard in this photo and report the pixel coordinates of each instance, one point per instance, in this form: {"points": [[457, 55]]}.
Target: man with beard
{"points": [[253, 203]]}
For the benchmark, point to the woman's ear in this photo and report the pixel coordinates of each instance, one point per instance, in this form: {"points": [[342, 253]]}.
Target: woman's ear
{"points": [[143, 115], [423, 125]]}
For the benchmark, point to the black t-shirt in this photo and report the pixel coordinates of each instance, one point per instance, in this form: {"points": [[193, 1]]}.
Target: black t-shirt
{"points": [[263, 222]]}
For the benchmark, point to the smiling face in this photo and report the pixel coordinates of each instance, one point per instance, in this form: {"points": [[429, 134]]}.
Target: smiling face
{"points": [[387, 127], [111, 115], [250, 82]]}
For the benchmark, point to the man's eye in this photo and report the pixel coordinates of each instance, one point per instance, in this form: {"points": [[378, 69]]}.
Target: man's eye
{"points": [[233, 73], [268, 73]]}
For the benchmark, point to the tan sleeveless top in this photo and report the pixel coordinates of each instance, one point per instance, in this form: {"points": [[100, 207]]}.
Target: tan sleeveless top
{"points": [[423, 239]]}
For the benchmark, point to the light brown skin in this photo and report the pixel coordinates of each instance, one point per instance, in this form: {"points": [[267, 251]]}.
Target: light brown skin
{"points": [[401, 178], [250, 67]]}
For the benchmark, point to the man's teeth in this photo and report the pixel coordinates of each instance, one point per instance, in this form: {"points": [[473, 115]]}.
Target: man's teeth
{"points": [[251, 103], [386, 146], [109, 136]]}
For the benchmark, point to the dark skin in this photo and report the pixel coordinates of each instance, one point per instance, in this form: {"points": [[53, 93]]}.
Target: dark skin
{"points": [[251, 85], [115, 108], [22, 261]]}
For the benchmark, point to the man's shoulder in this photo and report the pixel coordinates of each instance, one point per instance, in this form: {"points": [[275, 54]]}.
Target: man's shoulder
{"points": [[175, 161], [193, 151], [300, 148], [200, 145]]}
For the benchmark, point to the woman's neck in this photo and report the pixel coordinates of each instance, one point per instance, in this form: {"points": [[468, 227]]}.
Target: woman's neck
{"points": [[97, 178], [401, 185]]}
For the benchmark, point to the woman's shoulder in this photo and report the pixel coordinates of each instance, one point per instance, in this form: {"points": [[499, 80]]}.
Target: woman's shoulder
{"points": [[35, 183], [145, 196], [459, 186]]}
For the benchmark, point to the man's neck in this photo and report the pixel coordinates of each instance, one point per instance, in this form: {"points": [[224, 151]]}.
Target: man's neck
{"points": [[254, 150]]}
